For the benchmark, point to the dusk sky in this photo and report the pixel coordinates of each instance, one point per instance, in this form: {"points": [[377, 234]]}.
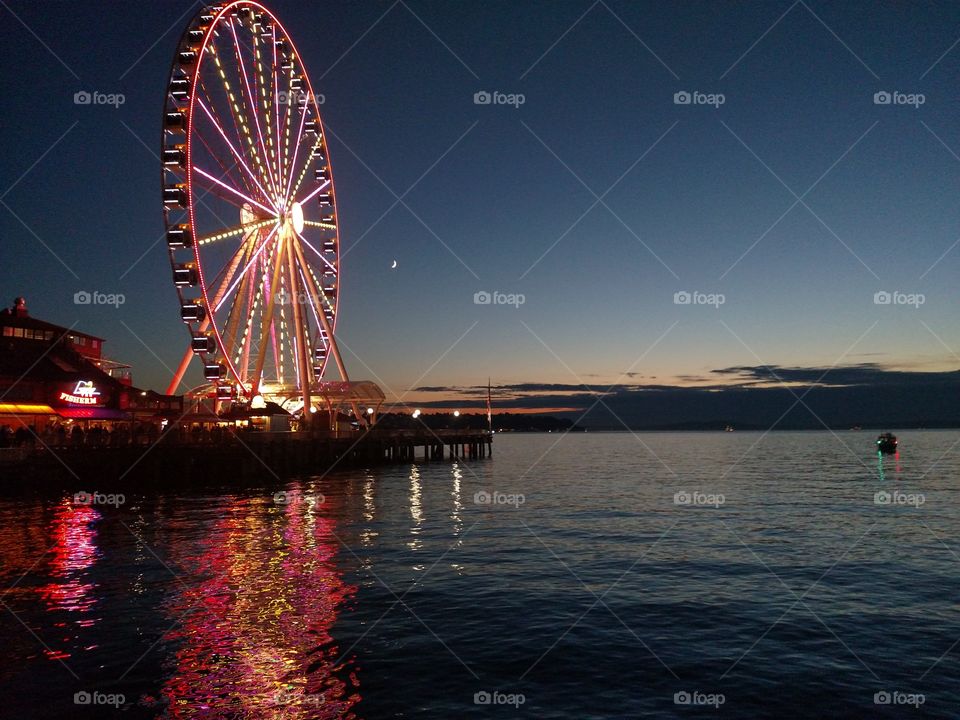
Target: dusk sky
{"points": [[598, 199]]}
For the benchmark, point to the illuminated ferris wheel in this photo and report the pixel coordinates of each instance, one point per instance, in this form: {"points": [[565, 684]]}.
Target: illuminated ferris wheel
{"points": [[249, 206]]}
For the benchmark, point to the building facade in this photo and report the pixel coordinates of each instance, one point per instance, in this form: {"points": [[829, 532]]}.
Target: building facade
{"points": [[53, 374]]}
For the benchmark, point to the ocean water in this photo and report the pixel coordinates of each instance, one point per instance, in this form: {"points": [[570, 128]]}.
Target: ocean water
{"points": [[661, 575]]}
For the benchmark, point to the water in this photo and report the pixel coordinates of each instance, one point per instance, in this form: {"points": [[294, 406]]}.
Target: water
{"points": [[393, 593]]}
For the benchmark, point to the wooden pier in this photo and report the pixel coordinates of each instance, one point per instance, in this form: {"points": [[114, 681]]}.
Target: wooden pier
{"points": [[243, 456]]}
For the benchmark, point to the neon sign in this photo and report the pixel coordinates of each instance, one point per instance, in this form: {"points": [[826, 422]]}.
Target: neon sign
{"points": [[85, 393]]}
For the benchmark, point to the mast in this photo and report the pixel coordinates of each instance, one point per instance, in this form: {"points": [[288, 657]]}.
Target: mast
{"points": [[489, 412]]}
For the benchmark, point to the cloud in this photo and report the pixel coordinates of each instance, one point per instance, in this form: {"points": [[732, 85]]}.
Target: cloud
{"points": [[844, 376], [749, 396]]}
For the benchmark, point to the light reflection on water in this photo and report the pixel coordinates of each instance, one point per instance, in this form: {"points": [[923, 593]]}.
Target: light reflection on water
{"points": [[391, 593], [73, 552], [243, 594], [254, 633], [416, 510]]}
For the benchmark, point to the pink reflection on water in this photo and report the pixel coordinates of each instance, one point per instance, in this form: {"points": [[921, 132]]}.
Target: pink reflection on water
{"points": [[253, 632], [73, 552]]}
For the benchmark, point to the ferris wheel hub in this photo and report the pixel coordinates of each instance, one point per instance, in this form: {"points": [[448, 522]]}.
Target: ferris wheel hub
{"points": [[296, 217]]}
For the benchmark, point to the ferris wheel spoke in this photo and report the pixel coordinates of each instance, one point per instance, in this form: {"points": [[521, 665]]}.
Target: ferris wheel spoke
{"points": [[262, 87], [276, 343], [319, 295], [291, 168], [317, 252], [306, 167], [246, 341], [210, 109], [226, 274], [285, 160], [228, 172], [315, 223], [210, 189], [265, 243], [325, 324], [226, 98], [236, 192], [234, 231], [267, 318], [312, 292], [275, 75], [312, 194], [243, 131], [236, 308], [247, 178], [215, 191], [300, 335], [249, 100], [250, 300], [232, 149]]}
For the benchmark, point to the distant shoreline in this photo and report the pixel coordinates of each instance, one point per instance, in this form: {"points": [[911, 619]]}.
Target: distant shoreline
{"points": [[608, 431]]}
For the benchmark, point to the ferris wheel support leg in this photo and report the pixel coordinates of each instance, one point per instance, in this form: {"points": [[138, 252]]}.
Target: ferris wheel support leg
{"points": [[267, 319], [185, 363], [315, 295], [181, 371], [301, 336]]}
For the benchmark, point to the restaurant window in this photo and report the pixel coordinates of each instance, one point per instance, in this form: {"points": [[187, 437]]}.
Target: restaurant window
{"points": [[7, 331], [18, 332]]}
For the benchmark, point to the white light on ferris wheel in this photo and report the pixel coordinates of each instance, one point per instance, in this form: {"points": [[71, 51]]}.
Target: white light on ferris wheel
{"points": [[296, 216]]}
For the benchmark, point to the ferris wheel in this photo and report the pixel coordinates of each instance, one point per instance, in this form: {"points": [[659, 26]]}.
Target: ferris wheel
{"points": [[249, 207]]}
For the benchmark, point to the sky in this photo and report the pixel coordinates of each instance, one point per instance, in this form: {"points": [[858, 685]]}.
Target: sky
{"points": [[779, 202]]}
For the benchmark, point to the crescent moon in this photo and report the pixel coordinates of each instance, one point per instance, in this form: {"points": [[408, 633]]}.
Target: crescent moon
{"points": [[394, 265]]}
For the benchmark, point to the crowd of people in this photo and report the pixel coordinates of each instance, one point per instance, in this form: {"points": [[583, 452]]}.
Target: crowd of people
{"points": [[120, 434], [63, 435]]}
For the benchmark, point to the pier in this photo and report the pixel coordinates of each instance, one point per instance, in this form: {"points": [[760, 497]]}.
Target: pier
{"points": [[172, 460]]}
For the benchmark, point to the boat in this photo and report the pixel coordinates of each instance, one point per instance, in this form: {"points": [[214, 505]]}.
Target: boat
{"points": [[887, 444]]}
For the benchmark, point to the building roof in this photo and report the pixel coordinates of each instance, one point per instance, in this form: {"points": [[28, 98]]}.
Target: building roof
{"points": [[360, 390], [44, 363], [18, 316]]}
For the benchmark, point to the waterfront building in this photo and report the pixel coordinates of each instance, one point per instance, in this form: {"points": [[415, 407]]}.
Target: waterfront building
{"points": [[52, 375]]}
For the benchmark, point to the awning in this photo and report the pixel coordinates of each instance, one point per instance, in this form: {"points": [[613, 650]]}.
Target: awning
{"points": [[92, 414], [25, 409]]}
